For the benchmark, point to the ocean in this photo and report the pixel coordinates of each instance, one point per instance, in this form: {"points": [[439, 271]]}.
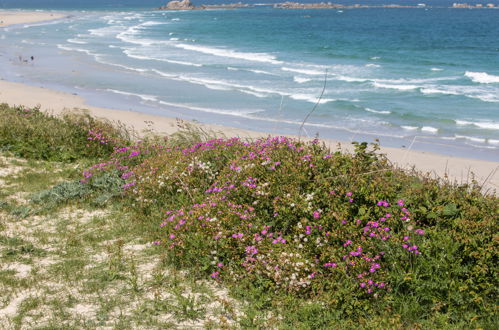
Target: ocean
{"points": [[426, 79]]}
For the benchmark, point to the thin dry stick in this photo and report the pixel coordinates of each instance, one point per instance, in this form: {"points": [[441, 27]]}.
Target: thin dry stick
{"points": [[186, 188], [315, 106], [491, 174], [408, 150]]}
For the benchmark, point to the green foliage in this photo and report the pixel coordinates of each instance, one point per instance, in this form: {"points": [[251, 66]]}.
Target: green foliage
{"points": [[31, 133], [349, 232], [98, 192], [316, 238]]}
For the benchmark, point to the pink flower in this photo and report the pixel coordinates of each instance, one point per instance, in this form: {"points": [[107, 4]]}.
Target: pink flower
{"points": [[215, 274], [347, 243], [317, 214]]}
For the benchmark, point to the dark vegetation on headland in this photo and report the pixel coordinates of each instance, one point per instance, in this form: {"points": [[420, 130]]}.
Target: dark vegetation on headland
{"points": [[311, 237], [188, 5]]}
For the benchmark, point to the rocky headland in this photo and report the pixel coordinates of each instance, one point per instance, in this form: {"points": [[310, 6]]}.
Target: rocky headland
{"points": [[178, 5]]}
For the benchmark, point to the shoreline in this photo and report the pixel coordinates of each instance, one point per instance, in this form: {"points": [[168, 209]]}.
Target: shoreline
{"points": [[454, 168], [13, 17]]}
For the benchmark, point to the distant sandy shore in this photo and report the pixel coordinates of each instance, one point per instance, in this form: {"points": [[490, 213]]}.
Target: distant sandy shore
{"points": [[10, 17], [455, 168]]}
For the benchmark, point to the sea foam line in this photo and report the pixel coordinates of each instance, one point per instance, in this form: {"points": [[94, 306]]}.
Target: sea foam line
{"points": [[144, 97], [254, 57], [383, 112], [482, 77], [486, 125]]}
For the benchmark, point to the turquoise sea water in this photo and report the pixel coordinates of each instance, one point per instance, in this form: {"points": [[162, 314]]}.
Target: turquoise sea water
{"points": [[411, 77]]}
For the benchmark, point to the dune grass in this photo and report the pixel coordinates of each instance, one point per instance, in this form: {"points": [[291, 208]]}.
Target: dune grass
{"points": [[301, 236]]}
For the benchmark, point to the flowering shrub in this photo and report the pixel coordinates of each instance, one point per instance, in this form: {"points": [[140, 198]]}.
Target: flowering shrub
{"points": [[299, 220]]}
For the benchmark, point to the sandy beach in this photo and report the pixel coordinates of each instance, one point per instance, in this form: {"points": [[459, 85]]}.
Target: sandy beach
{"points": [[8, 17], [455, 168]]}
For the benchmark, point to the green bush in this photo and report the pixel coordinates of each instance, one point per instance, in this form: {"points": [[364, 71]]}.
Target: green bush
{"points": [[31, 133], [99, 191]]}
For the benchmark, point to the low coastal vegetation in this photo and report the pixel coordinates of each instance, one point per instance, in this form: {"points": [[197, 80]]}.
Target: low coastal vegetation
{"points": [[301, 236]]}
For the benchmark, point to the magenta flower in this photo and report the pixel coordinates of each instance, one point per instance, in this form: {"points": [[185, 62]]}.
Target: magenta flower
{"points": [[317, 214], [215, 274]]}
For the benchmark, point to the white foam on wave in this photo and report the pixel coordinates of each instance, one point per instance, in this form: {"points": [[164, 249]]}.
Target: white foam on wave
{"points": [[230, 68], [76, 41], [175, 19], [164, 74], [144, 97], [471, 138], [439, 91], [123, 66], [174, 39], [482, 77], [106, 31], [429, 129], [481, 124], [383, 112], [436, 69], [253, 57], [52, 22], [393, 86], [349, 79], [409, 128], [310, 98], [375, 58], [493, 141], [260, 72], [245, 113], [371, 65], [129, 53], [152, 23], [80, 50], [483, 93], [400, 84], [301, 80], [259, 95], [130, 36], [304, 71]]}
